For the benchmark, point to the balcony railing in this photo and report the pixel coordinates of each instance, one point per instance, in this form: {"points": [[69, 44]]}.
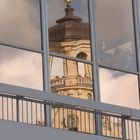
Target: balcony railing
{"points": [[58, 82], [80, 80], [68, 117]]}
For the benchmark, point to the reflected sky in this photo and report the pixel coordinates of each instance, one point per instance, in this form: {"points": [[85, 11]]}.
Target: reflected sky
{"points": [[21, 68], [20, 24], [115, 34], [119, 88]]}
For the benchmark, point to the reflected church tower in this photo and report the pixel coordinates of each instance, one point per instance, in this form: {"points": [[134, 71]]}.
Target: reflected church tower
{"points": [[71, 37]]}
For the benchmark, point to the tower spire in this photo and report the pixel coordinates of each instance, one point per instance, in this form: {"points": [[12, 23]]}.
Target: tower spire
{"points": [[69, 10], [69, 16], [68, 2]]}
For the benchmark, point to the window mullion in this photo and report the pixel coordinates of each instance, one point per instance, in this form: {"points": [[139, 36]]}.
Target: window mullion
{"points": [[46, 57], [92, 12]]}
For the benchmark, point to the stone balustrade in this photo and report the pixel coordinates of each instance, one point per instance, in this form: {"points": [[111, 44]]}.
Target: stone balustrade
{"points": [[80, 80]]}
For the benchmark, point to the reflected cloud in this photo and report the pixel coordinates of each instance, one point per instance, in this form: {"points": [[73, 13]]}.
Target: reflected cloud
{"points": [[115, 34], [112, 22], [25, 69], [119, 57], [119, 88], [20, 24]]}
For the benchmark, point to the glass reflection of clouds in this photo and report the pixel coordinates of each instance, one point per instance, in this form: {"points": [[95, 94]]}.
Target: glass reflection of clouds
{"points": [[20, 23], [119, 88], [115, 34], [21, 68]]}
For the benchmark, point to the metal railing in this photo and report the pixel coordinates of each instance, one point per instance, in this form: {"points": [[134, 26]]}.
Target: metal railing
{"points": [[73, 119], [8, 108], [67, 117], [132, 129], [17, 108], [111, 125]]}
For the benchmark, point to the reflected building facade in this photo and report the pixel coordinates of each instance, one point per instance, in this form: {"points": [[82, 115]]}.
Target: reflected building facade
{"points": [[71, 37]]}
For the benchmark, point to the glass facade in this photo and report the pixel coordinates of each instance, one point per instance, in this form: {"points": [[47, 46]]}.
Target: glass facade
{"points": [[115, 34], [20, 44], [117, 55], [72, 65]]}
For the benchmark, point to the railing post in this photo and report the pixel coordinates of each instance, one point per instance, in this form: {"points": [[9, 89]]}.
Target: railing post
{"points": [[98, 124], [17, 111], [17, 106], [123, 128], [48, 115], [45, 114]]}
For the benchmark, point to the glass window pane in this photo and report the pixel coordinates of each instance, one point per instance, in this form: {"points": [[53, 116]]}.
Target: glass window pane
{"points": [[69, 32], [115, 34], [119, 88], [71, 78], [20, 23], [21, 68]]}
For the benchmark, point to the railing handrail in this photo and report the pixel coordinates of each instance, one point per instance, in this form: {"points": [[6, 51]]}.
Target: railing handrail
{"points": [[60, 105]]}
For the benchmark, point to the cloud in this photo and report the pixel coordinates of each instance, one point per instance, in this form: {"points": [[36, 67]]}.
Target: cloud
{"points": [[20, 23], [24, 70], [120, 89], [114, 22], [122, 56]]}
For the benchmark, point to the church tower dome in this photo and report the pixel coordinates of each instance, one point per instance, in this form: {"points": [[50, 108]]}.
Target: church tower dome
{"points": [[69, 28]]}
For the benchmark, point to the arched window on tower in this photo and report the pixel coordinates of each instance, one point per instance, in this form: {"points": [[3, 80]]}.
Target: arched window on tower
{"points": [[82, 55], [83, 69], [89, 96]]}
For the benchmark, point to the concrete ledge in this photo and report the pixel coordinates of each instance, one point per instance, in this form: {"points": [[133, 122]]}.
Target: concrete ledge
{"points": [[19, 131]]}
